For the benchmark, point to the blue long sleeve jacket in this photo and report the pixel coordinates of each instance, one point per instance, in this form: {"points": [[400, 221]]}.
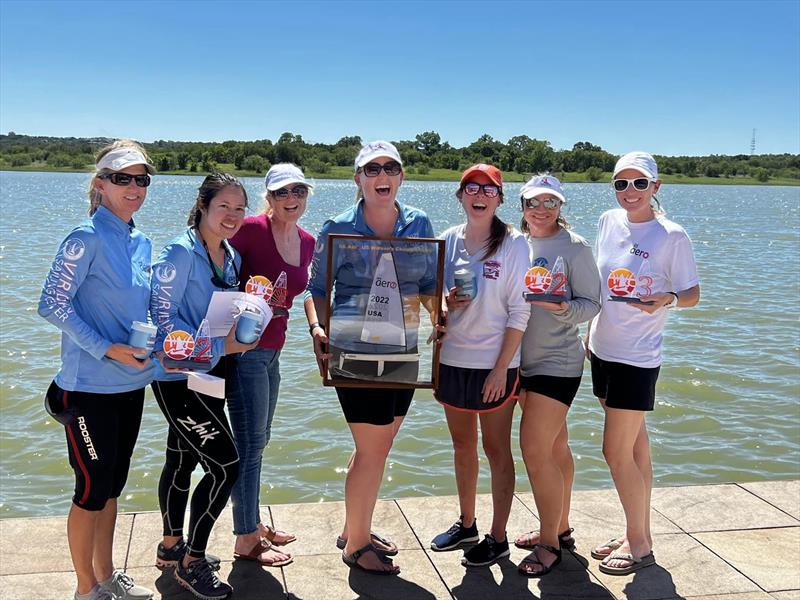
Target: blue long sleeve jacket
{"points": [[181, 290], [98, 284]]}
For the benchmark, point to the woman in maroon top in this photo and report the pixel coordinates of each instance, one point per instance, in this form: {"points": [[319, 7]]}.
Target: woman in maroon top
{"points": [[274, 247]]}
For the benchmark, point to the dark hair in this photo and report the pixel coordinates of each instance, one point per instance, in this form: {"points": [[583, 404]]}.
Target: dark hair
{"points": [[211, 186], [498, 229]]}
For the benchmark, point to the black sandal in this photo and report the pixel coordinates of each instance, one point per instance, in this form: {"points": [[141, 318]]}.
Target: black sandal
{"points": [[533, 559], [352, 561]]}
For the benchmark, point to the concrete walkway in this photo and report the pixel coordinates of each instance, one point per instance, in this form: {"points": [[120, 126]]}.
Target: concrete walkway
{"points": [[730, 541]]}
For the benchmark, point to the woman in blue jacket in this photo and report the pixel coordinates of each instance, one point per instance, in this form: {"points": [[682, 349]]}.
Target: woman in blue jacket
{"points": [[98, 285], [188, 271]]}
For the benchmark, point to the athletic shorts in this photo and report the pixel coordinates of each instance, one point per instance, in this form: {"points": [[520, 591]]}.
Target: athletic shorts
{"points": [[376, 406], [624, 386], [100, 441], [562, 389], [462, 388]]}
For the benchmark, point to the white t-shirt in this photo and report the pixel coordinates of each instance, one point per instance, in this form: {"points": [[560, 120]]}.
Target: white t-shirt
{"points": [[475, 335], [637, 259]]}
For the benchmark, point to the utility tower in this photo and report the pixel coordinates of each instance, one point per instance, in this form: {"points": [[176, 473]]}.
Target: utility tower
{"points": [[753, 143]]}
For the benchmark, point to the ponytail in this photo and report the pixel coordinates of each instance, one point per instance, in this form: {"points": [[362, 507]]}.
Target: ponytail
{"points": [[497, 233]]}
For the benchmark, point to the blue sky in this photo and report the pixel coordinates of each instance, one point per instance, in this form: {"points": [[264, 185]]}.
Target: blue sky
{"points": [[668, 77]]}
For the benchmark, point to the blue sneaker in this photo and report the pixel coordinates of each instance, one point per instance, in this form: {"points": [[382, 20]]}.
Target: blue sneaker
{"points": [[202, 581], [456, 536]]}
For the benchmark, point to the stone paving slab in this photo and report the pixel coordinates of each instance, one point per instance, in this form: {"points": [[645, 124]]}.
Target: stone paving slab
{"points": [[22, 542], [782, 494], [325, 576], [768, 556], [717, 508], [720, 542], [684, 567]]}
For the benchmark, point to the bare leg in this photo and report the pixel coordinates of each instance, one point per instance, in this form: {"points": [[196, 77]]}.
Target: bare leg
{"points": [[104, 540], [398, 421], [464, 433], [622, 427], [641, 454], [80, 534], [543, 421], [373, 443], [496, 436]]}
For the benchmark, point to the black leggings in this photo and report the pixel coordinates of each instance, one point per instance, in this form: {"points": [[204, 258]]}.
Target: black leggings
{"points": [[198, 433]]}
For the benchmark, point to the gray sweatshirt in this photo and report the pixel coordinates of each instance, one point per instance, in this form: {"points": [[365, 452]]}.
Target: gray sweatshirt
{"points": [[552, 344]]}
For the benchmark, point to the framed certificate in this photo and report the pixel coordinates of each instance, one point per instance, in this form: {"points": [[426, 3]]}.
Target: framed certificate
{"points": [[384, 298]]}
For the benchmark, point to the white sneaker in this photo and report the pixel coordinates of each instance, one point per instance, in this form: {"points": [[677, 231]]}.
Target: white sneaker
{"points": [[122, 587]]}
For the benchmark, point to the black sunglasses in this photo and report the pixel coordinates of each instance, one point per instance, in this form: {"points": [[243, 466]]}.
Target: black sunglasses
{"points": [[125, 179], [373, 169], [216, 280], [640, 183], [489, 189], [298, 191]]}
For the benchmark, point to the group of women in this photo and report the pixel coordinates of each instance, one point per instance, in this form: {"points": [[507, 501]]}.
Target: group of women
{"points": [[501, 345]]}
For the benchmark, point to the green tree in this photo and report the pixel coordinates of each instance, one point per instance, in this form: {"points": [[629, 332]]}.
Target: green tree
{"points": [[428, 143], [594, 173]]}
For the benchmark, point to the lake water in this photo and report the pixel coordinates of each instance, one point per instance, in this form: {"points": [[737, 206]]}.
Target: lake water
{"points": [[727, 406]]}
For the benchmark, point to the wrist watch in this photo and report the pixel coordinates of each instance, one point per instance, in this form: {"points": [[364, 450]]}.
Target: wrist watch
{"points": [[672, 302], [313, 326]]}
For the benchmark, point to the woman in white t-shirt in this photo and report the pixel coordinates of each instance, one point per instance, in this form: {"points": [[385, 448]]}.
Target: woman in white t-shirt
{"points": [[485, 265], [646, 266]]}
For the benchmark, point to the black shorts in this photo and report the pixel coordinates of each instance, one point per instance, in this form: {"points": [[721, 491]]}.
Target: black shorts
{"points": [[562, 389], [100, 441], [624, 386], [462, 388], [376, 406]]}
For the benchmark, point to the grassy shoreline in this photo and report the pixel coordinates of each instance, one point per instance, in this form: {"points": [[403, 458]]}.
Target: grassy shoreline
{"points": [[447, 175]]}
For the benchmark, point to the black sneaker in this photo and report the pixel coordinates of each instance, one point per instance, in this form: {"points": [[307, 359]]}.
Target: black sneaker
{"points": [[199, 579], [488, 552], [168, 558], [456, 536]]}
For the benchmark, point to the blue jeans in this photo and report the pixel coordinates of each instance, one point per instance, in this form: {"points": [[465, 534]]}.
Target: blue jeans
{"points": [[252, 393]]}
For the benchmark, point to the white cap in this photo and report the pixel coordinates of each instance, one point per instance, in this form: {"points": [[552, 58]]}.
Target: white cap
{"points": [[542, 184], [373, 150], [122, 158], [641, 161], [283, 174]]}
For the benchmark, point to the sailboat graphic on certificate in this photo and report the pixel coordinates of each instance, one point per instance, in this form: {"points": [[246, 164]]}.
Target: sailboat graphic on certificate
{"points": [[384, 320]]}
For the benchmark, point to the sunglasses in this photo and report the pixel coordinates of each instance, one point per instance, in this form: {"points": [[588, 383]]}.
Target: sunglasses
{"points": [[298, 191], [489, 190], [640, 183], [125, 179], [373, 169], [549, 203], [216, 280]]}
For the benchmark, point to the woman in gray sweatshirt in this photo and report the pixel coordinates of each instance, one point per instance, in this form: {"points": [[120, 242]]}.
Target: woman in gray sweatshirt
{"points": [[563, 290]]}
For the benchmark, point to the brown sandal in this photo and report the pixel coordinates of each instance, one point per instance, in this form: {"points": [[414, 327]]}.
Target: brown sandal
{"points": [[255, 555], [271, 533]]}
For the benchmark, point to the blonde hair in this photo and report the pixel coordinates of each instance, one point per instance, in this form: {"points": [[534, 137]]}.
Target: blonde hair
{"points": [[95, 197]]}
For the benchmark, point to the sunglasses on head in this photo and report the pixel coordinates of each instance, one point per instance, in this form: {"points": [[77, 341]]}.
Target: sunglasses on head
{"points": [[489, 189], [640, 183], [298, 191], [549, 203], [125, 179], [373, 169], [216, 280]]}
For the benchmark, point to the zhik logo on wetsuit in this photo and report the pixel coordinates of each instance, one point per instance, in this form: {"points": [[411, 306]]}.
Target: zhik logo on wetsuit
{"points": [[200, 428]]}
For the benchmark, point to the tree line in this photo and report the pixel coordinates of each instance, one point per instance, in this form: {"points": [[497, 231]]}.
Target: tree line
{"points": [[426, 151]]}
